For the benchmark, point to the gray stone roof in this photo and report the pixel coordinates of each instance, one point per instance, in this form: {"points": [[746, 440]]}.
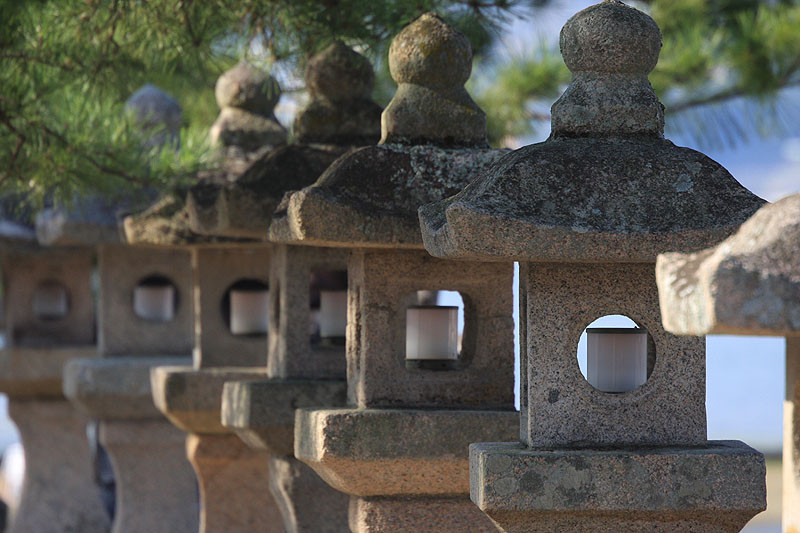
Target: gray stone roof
{"points": [[606, 185]]}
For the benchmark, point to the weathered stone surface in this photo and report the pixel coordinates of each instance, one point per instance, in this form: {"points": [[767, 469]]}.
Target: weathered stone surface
{"points": [[192, 398], [748, 285], [59, 494], [157, 113], [217, 270], [262, 412], [121, 331], [371, 196], [245, 130], [717, 487], [156, 487], [605, 186], [396, 452], [308, 505], [24, 273], [380, 282], [341, 110], [559, 408], [93, 220], [242, 207], [431, 515], [234, 486], [431, 61], [249, 88], [36, 372], [116, 388]]}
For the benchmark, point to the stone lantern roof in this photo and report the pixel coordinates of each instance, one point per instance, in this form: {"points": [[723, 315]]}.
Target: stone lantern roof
{"points": [[606, 186], [433, 143], [339, 116], [748, 285]]}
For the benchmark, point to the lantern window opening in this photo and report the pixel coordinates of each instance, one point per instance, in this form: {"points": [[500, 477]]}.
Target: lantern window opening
{"points": [[155, 299], [615, 354], [434, 330], [50, 301], [245, 308], [328, 308]]}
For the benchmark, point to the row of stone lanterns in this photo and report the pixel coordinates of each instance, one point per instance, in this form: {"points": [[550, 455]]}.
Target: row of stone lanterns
{"points": [[373, 433]]}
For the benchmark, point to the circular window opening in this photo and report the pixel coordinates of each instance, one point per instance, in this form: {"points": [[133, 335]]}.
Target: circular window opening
{"points": [[615, 355], [328, 308], [50, 301], [434, 330], [245, 308], [155, 299]]}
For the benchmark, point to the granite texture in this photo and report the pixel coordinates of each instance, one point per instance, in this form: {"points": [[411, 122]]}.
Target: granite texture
{"points": [[379, 283], [431, 515], [59, 494], [90, 220], [748, 285], [291, 352], [116, 388], [308, 505], [192, 398], [396, 452], [155, 484], [717, 487], [431, 61], [36, 372], [559, 408], [791, 438], [370, 197], [216, 271], [261, 412], [121, 332], [341, 110], [234, 486], [606, 186], [23, 273]]}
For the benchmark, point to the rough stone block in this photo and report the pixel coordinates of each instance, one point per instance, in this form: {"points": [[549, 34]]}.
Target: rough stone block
{"points": [[396, 452], [122, 332], [380, 283], [192, 399], [559, 408], [429, 515], [262, 413], [216, 270], [716, 487], [37, 372]]}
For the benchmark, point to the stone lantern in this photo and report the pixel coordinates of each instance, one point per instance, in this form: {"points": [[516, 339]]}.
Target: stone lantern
{"points": [[586, 213], [306, 362], [416, 399], [231, 317], [145, 319], [747, 285], [49, 319]]}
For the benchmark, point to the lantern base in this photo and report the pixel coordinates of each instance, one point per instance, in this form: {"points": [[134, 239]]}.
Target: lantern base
{"points": [[718, 487], [399, 515]]}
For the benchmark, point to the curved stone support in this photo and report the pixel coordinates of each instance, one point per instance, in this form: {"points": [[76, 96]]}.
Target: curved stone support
{"points": [[156, 487], [59, 494], [230, 475]]}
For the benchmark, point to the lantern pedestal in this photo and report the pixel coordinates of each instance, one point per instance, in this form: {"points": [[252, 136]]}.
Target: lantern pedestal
{"points": [[262, 413], [713, 488], [234, 479], [156, 487], [791, 437], [384, 458]]}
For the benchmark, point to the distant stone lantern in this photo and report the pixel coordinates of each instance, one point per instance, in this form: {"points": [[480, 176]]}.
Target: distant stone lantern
{"points": [[48, 320], [399, 449], [145, 319], [747, 285], [306, 361], [586, 213]]}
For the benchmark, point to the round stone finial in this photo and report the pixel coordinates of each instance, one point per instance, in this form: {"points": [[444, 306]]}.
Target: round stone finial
{"points": [[157, 113], [431, 53], [338, 73], [611, 37], [248, 88]]}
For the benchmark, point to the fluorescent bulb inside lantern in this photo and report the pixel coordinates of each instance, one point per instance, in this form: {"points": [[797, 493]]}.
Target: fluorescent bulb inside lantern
{"points": [[249, 313], [332, 314], [617, 358], [155, 303], [50, 301], [432, 333]]}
